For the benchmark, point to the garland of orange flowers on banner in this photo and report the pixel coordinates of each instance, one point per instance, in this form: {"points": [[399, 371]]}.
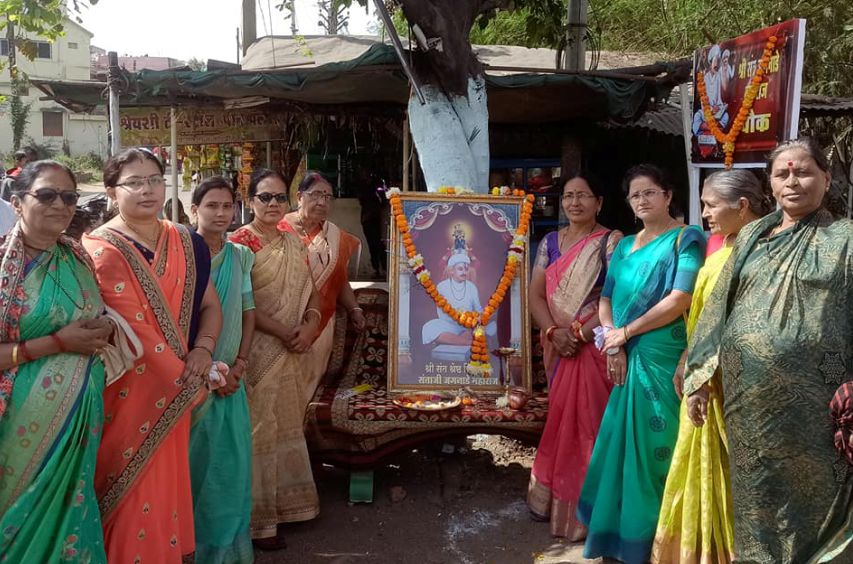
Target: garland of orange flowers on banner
{"points": [[476, 321], [728, 139]]}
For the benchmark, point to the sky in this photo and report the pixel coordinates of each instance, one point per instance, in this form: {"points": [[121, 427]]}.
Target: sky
{"points": [[205, 29]]}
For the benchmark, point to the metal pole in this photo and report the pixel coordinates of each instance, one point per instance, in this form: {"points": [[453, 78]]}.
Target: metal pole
{"points": [[174, 153], [575, 35], [398, 47], [694, 207], [115, 121], [406, 150]]}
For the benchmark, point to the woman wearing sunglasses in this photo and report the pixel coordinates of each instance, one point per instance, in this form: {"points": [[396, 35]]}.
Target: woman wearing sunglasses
{"points": [[329, 251], [157, 275], [52, 380], [287, 319]]}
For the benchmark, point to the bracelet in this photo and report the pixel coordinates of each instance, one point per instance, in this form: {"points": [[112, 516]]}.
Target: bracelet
{"points": [[550, 331], [205, 349], [58, 342], [211, 337], [625, 333], [577, 329], [25, 354], [312, 310], [15, 354], [356, 308]]}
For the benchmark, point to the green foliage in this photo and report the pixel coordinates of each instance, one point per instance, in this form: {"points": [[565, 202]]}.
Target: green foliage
{"points": [[677, 27], [90, 165], [19, 113], [197, 64]]}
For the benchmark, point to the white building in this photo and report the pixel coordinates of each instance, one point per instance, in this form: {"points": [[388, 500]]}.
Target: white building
{"points": [[67, 58]]}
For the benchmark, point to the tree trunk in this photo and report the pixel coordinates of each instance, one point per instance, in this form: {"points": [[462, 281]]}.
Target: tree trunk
{"points": [[18, 110], [450, 131]]}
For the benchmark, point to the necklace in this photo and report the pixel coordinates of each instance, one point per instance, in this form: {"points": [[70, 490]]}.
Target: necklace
{"points": [[562, 244], [643, 238], [456, 296], [150, 242], [262, 232], [217, 248]]}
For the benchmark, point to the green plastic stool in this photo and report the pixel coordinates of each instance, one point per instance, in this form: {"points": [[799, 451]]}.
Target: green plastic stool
{"points": [[361, 487]]}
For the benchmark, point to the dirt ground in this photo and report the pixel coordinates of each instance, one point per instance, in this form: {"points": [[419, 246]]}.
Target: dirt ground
{"points": [[460, 507]]}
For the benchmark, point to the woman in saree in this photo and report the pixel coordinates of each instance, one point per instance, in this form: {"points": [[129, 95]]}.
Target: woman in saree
{"points": [[569, 272], [221, 433], [288, 320], [779, 328], [646, 293], [695, 524], [329, 251], [156, 275], [51, 406]]}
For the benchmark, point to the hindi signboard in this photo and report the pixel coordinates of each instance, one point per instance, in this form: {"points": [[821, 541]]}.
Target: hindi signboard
{"points": [[151, 126], [727, 69]]}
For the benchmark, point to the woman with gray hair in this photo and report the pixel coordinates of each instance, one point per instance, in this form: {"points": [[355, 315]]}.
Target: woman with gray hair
{"points": [[777, 330], [695, 523]]}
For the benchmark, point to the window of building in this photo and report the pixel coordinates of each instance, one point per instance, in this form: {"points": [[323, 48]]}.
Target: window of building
{"points": [[51, 123], [43, 50], [4, 47], [72, 45]]}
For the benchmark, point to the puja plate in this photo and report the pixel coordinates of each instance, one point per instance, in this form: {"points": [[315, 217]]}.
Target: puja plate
{"points": [[427, 401]]}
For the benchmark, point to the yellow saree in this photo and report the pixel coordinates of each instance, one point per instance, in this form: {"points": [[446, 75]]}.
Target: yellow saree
{"points": [[696, 522]]}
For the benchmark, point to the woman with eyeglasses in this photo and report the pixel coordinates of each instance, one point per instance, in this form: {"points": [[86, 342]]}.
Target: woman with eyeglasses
{"points": [[221, 432], [52, 380], [329, 252], [571, 265], [157, 275], [287, 322], [645, 296]]}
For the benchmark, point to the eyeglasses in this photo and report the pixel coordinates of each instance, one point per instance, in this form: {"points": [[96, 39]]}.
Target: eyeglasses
{"points": [[316, 196], [135, 184], [267, 197], [46, 196], [644, 195], [579, 196]]}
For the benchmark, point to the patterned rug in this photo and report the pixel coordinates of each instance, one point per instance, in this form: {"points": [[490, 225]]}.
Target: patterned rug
{"points": [[355, 429]]}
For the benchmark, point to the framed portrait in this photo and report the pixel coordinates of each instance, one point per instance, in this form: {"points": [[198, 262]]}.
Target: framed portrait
{"points": [[464, 241]]}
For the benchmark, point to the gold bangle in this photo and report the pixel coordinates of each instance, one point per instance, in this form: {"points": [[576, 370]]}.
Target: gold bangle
{"points": [[550, 331], [205, 349], [312, 310], [15, 354], [625, 333]]}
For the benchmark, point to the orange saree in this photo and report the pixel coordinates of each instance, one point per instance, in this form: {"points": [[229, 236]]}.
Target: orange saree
{"points": [[329, 252], [142, 476]]}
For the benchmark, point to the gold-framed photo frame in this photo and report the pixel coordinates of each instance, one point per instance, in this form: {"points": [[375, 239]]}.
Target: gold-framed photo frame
{"points": [[464, 241]]}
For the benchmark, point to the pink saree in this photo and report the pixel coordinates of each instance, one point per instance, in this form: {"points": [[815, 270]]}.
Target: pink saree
{"points": [[579, 387]]}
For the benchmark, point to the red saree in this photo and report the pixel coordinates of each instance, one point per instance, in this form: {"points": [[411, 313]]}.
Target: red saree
{"points": [[142, 478], [579, 387]]}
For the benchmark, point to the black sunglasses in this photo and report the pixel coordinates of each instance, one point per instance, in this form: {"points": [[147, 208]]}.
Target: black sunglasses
{"points": [[47, 196], [267, 197]]}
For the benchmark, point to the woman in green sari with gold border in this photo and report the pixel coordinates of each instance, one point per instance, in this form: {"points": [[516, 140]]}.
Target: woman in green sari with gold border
{"points": [[779, 326], [221, 431], [51, 406]]}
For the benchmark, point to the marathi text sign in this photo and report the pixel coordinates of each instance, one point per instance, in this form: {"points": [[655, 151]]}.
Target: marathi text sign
{"points": [[197, 126], [727, 69]]}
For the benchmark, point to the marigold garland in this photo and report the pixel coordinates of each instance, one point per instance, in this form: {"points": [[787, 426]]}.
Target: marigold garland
{"points": [[476, 321], [728, 139]]}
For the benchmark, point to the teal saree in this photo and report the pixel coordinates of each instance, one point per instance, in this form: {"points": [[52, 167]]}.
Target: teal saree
{"points": [[51, 428], [221, 435], [779, 325], [620, 499]]}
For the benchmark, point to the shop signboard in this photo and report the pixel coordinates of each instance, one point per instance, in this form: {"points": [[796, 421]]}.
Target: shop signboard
{"points": [[151, 126]]}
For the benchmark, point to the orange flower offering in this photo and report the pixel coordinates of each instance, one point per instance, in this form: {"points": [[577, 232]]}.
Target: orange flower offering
{"points": [[479, 364], [728, 139]]}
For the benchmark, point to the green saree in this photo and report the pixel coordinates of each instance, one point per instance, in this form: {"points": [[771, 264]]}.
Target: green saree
{"points": [[221, 435], [779, 324], [51, 429], [620, 499]]}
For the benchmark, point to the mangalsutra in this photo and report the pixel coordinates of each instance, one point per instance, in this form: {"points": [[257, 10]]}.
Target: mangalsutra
{"points": [[150, 241], [42, 264]]}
